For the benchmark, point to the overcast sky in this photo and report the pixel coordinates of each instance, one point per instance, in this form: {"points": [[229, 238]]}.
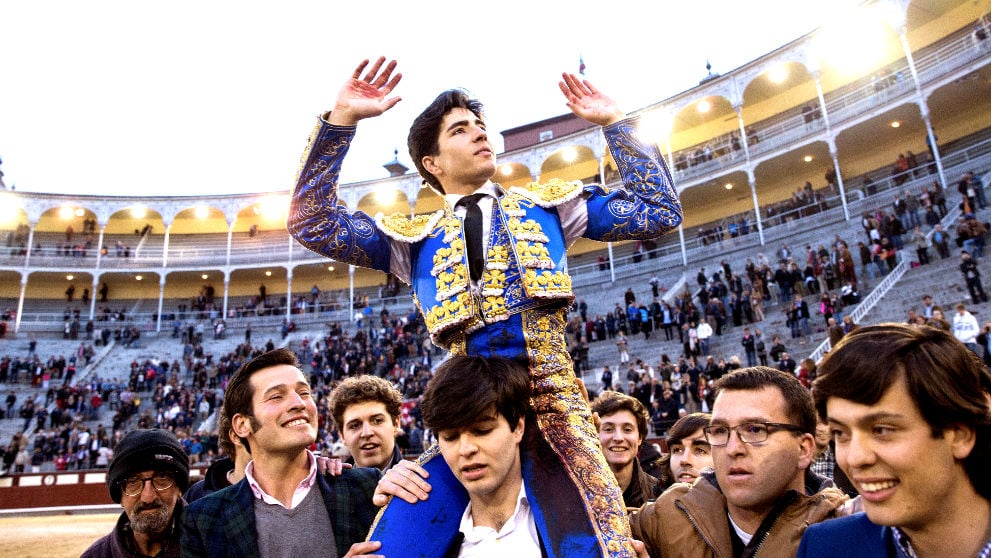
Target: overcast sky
{"points": [[214, 97]]}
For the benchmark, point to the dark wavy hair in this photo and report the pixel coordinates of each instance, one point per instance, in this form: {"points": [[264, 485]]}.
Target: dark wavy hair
{"points": [[687, 426], [465, 389], [426, 129], [948, 382]]}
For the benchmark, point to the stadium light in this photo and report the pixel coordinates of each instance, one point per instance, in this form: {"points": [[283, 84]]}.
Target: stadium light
{"points": [[778, 74], [273, 207]]}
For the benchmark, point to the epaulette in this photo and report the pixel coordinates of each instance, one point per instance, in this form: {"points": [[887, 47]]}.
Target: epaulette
{"points": [[402, 228], [551, 193]]}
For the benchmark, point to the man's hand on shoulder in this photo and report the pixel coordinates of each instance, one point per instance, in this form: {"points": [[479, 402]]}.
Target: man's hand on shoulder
{"points": [[331, 466], [404, 480]]}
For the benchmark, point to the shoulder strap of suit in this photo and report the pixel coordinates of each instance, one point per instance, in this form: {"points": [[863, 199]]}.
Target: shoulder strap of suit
{"points": [[403, 228], [551, 193]]}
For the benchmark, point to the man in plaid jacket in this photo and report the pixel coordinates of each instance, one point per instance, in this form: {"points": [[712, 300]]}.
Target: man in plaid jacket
{"points": [[275, 509]]}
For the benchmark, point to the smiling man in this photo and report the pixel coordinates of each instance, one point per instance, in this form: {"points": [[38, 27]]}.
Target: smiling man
{"points": [[908, 408], [366, 411], [623, 424], [756, 500], [282, 507], [689, 450]]}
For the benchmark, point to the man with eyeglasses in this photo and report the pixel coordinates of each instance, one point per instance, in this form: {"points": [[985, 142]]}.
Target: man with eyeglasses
{"points": [[758, 500], [147, 477]]}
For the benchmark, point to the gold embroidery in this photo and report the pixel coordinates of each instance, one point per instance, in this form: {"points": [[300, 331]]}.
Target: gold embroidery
{"points": [[511, 205], [401, 227], [547, 284], [529, 230], [550, 193], [565, 422], [449, 283], [448, 313], [498, 257]]}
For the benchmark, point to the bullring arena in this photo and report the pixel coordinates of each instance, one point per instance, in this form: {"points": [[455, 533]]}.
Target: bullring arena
{"points": [[791, 151]]}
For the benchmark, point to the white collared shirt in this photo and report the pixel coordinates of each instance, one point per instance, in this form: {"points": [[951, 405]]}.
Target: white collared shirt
{"points": [[485, 205], [302, 489], [517, 538]]}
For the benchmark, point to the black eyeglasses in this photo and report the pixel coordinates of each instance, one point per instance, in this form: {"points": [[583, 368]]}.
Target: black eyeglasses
{"points": [[134, 485], [748, 432]]}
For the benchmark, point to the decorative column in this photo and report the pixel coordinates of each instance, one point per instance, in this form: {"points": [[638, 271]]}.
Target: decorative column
{"points": [[289, 293], [230, 234], [738, 108], [161, 298], [831, 143], [99, 249], [351, 293], [165, 244], [30, 248], [227, 290], [93, 288], [289, 277], [899, 24], [20, 298]]}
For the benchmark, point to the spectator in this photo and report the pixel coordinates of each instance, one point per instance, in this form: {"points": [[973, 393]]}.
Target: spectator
{"points": [[759, 348], [691, 454], [226, 471], [366, 411], [748, 342], [922, 244], [282, 475], [761, 433], [922, 470], [786, 363], [940, 241], [147, 477], [972, 278], [965, 328], [622, 348], [623, 425]]}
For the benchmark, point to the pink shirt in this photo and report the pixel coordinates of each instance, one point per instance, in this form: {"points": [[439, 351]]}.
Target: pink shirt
{"points": [[299, 494]]}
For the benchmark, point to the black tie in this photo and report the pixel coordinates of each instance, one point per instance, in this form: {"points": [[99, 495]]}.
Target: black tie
{"points": [[473, 233]]}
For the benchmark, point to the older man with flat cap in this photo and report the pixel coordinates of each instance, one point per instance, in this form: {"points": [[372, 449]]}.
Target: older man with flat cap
{"points": [[147, 477]]}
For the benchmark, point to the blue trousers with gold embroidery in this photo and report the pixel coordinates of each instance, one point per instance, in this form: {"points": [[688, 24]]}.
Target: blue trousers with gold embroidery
{"points": [[568, 452]]}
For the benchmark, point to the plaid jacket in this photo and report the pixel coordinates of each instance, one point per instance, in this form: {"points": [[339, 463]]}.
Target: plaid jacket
{"points": [[222, 524]]}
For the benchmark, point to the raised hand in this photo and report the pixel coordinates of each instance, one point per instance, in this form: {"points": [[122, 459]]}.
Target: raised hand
{"points": [[365, 97], [587, 102]]}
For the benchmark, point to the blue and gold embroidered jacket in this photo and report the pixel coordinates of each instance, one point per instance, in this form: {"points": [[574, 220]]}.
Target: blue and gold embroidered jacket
{"points": [[526, 247]]}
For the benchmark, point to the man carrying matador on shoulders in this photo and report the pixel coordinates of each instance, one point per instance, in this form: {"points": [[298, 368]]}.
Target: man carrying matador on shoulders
{"points": [[499, 287]]}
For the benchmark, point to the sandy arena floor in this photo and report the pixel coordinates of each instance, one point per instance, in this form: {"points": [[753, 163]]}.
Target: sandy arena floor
{"points": [[53, 536]]}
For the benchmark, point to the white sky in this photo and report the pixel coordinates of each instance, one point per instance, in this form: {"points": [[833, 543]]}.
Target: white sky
{"points": [[213, 97]]}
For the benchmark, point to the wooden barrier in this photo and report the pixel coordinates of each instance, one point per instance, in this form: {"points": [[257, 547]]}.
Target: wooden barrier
{"points": [[58, 489]]}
